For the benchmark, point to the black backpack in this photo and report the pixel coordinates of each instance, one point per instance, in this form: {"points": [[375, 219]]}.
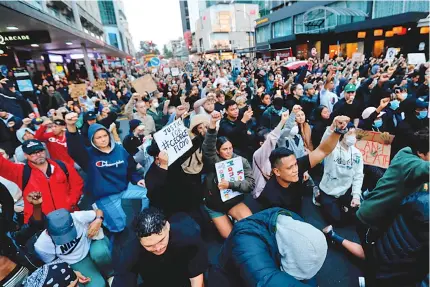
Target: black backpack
{"points": [[27, 172]]}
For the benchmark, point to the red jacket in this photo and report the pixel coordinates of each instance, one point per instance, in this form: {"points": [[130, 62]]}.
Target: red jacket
{"points": [[57, 191], [56, 145]]}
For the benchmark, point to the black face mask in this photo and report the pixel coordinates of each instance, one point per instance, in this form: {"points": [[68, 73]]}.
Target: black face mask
{"points": [[278, 103]]}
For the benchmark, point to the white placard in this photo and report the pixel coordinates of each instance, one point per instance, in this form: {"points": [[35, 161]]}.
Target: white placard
{"points": [[391, 53], [235, 63], [174, 139], [230, 170], [166, 71], [416, 58], [175, 72], [356, 57]]}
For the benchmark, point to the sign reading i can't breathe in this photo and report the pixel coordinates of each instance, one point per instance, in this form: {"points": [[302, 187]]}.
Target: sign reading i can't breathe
{"points": [[375, 147], [174, 139], [230, 170]]}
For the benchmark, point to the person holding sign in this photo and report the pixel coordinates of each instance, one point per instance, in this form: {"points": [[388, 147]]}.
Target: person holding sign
{"points": [[111, 171], [225, 197], [342, 178]]}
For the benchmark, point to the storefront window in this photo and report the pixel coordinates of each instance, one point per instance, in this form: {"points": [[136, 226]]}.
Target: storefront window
{"points": [[282, 28], [298, 24], [385, 8], [302, 51], [263, 34], [378, 48]]}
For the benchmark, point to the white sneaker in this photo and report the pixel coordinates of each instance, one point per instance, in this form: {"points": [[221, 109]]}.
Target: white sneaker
{"points": [[110, 280]]}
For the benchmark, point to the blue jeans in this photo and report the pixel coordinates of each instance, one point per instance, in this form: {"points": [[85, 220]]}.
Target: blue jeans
{"points": [[114, 215]]}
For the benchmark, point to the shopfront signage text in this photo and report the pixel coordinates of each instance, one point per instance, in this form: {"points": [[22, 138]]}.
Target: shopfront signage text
{"points": [[24, 38], [261, 21]]}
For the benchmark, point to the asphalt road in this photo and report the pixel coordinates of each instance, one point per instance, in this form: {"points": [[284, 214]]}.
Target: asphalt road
{"points": [[339, 269]]}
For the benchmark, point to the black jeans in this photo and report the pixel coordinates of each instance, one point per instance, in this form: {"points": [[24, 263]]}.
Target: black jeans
{"points": [[337, 211]]}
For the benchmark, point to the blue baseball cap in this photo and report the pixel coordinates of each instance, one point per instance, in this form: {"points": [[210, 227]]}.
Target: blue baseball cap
{"points": [[61, 227]]}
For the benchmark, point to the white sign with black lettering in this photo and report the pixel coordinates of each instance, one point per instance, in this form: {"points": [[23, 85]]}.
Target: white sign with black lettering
{"points": [[174, 139]]}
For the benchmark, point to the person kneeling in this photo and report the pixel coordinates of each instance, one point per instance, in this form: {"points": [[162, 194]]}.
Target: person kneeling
{"points": [[342, 178], [271, 248], [71, 237]]}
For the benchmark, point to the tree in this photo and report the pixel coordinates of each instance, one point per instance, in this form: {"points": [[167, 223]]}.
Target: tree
{"points": [[149, 47], [167, 53]]}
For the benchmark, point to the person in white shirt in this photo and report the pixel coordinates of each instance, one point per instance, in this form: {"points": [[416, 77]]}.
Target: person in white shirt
{"points": [[222, 79], [327, 97], [75, 239], [342, 179]]}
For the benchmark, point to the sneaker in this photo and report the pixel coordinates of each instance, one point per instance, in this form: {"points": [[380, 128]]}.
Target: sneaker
{"points": [[316, 196]]}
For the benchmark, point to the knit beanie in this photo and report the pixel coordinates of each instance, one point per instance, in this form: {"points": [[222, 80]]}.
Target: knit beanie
{"points": [[302, 247], [55, 274], [134, 124]]}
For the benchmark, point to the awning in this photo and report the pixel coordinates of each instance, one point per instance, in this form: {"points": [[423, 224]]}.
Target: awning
{"points": [[338, 11], [424, 22]]}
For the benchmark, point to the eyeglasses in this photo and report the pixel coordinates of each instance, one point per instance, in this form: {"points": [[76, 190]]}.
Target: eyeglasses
{"points": [[37, 152]]}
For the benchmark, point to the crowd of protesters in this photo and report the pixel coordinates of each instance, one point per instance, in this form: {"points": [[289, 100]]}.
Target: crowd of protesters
{"points": [[85, 202]]}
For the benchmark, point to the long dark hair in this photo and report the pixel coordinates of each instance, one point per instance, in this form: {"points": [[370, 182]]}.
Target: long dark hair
{"points": [[220, 141]]}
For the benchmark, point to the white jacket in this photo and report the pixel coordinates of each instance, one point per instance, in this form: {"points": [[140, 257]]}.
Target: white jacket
{"points": [[342, 169]]}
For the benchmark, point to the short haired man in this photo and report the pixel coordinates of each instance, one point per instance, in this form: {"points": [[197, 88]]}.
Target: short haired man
{"points": [[271, 248], [309, 100], [136, 103], [347, 106], [171, 251], [285, 189]]}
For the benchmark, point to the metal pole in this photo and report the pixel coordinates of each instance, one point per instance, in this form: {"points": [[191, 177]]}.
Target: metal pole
{"points": [[87, 63]]}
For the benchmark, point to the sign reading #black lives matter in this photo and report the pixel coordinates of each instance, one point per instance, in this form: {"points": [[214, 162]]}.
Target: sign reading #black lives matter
{"points": [[24, 38], [174, 139]]}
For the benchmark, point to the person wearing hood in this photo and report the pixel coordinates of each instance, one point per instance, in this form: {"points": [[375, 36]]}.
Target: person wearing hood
{"points": [[111, 171], [135, 138], [272, 248], [272, 115], [415, 119], [321, 122], [23, 134], [217, 204], [342, 179]]}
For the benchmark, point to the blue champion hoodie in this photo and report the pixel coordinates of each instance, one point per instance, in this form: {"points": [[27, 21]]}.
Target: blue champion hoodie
{"points": [[108, 173]]}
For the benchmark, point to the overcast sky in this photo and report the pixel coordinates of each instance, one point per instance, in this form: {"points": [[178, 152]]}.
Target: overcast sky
{"points": [[156, 20]]}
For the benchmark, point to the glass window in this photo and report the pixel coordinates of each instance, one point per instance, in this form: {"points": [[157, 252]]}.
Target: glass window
{"points": [[283, 28], [263, 34], [384, 8], [113, 40], [298, 24], [107, 12], [417, 6]]}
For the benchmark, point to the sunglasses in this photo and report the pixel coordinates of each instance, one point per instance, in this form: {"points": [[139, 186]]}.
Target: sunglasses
{"points": [[37, 152]]}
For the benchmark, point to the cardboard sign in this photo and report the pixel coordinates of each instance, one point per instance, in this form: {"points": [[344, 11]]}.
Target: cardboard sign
{"points": [[166, 71], [356, 57], [416, 58], [144, 84], [391, 54], [175, 72], [174, 139], [77, 90], [230, 170], [375, 147], [99, 85], [235, 63]]}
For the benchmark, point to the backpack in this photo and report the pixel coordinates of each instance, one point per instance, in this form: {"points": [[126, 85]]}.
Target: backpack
{"points": [[27, 172]]}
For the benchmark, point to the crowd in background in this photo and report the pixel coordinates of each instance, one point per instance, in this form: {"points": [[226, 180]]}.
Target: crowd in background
{"points": [[85, 201]]}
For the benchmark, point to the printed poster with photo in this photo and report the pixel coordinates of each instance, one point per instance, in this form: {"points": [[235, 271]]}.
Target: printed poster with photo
{"points": [[230, 170]]}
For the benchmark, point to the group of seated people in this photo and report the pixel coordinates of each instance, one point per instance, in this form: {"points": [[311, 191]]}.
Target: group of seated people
{"points": [[84, 204]]}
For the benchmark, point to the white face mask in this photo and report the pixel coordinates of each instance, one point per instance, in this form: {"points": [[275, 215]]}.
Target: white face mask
{"points": [[294, 131], [350, 140], [155, 105]]}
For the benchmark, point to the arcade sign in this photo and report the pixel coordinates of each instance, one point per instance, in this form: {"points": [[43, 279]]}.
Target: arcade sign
{"points": [[24, 38]]}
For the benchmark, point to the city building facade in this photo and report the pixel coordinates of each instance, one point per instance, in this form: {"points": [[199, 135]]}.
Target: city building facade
{"points": [[226, 28], [342, 28]]}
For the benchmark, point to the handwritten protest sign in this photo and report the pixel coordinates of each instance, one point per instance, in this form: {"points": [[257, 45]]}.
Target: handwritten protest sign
{"points": [[230, 170], [375, 147], [99, 85], [416, 58], [235, 63], [144, 84], [174, 139], [77, 90], [175, 72], [166, 71]]}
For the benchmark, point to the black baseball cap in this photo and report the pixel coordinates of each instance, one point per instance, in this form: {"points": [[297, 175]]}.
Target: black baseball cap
{"points": [[59, 122], [89, 116], [32, 146]]}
